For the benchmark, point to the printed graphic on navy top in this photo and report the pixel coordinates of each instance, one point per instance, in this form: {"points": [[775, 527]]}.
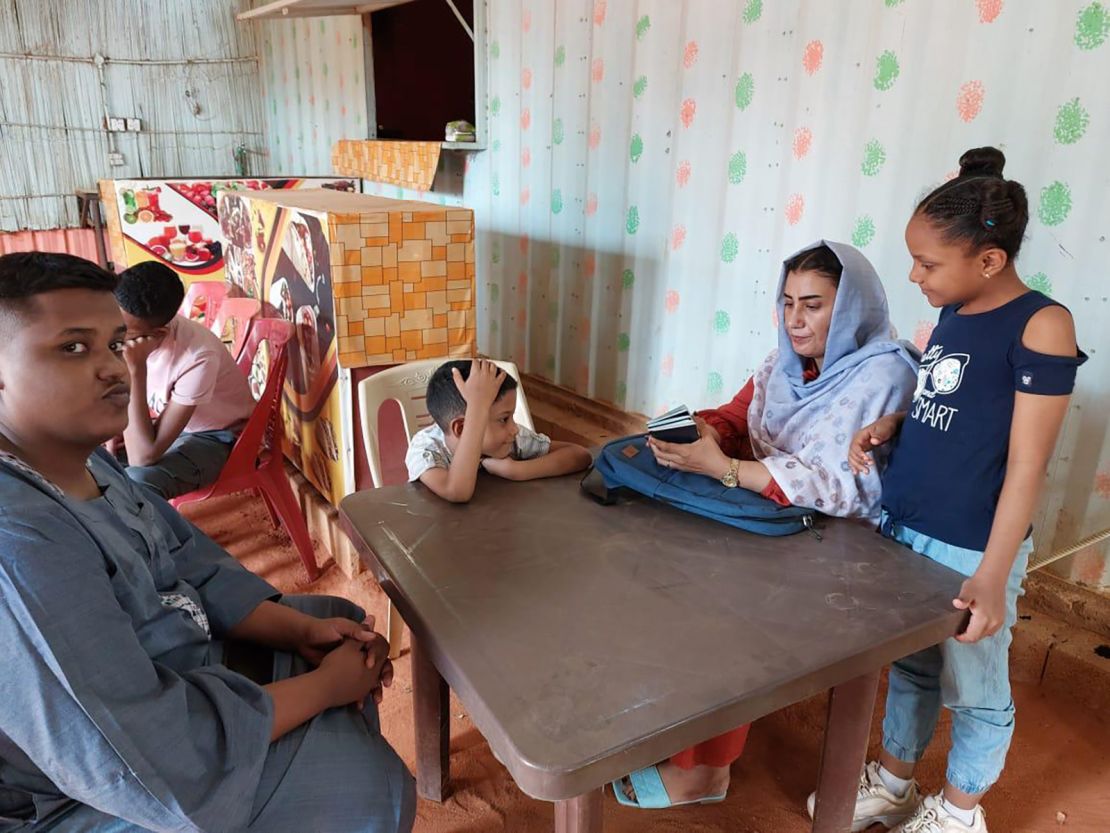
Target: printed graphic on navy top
{"points": [[940, 374]]}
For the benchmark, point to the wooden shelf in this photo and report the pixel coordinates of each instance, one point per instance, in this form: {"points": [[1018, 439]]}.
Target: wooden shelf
{"points": [[462, 146], [279, 9]]}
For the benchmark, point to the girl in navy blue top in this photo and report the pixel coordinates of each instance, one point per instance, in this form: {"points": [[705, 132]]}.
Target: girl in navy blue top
{"points": [[968, 461]]}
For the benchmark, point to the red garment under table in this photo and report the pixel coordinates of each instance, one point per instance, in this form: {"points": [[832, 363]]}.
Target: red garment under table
{"points": [[720, 751]]}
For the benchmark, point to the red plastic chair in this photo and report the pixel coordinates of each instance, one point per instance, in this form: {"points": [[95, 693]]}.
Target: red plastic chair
{"points": [[233, 322], [202, 301], [256, 462]]}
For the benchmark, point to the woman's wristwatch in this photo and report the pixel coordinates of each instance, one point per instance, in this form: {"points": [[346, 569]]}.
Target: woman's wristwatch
{"points": [[730, 477]]}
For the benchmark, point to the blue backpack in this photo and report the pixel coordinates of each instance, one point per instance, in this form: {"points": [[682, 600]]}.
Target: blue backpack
{"points": [[628, 463]]}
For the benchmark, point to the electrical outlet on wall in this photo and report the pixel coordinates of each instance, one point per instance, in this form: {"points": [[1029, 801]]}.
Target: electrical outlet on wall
{"points": [[115, 124], [115, 158], [134, 125]]}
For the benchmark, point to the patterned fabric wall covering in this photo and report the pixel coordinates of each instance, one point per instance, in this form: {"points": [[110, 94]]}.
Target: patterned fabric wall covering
{"points": [[313, 90], [651, 163]]}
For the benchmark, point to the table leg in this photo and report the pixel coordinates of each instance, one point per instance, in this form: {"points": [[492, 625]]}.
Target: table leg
{"points": [[851, 705], [581, 814], [432, 721], [394, 630]]}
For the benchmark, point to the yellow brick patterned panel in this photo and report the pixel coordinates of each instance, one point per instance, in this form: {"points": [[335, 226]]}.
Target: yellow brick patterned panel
{"points": [[414, 297], [409, 164], [401, 272]]}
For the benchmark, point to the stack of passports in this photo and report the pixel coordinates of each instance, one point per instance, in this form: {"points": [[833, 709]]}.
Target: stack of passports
{"points": [[675, 426]]}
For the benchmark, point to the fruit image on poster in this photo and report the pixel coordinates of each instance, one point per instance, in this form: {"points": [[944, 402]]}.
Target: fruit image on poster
{"points": [[176, 233], [281, 257], [175, 220]]}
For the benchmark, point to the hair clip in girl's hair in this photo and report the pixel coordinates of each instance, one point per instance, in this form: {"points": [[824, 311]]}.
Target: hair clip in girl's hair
{"points": [[989, 223]]}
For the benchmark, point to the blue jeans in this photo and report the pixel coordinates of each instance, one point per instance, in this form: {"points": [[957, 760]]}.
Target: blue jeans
{"points": [[972, 681]]}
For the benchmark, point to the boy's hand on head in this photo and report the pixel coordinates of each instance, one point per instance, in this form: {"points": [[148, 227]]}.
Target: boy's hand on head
{"points": [[483, 384], [137, 350], [985, 597]]}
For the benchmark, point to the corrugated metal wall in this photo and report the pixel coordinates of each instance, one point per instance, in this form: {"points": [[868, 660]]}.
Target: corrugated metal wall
{"points": [[188, 70], [314, 85], [73, 241]]}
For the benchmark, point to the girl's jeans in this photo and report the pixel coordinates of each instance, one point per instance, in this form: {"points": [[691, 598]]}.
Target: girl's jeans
{"points": [[972, 681]]}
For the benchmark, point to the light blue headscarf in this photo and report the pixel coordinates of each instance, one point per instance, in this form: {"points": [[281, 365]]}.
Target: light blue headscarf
{"points": [[801, 430]]}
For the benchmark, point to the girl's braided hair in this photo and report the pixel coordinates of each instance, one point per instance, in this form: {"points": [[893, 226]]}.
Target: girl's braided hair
{"points": [[979, 207]]}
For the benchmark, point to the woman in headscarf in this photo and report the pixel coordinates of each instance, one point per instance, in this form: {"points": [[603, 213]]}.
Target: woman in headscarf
{"points": [[786, 436]]}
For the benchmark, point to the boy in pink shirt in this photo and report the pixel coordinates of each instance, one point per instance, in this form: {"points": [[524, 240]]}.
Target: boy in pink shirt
{"points": [[189, 400]]}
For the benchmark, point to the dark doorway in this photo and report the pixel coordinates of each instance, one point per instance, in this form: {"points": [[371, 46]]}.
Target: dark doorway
{"points": [[423, 69]]}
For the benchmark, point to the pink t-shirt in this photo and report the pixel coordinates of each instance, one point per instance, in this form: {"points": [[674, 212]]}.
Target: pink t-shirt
{"points": [[193, 367]]}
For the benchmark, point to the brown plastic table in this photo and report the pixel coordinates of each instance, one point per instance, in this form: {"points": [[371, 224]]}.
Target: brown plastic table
{"points": [[587, 641]]}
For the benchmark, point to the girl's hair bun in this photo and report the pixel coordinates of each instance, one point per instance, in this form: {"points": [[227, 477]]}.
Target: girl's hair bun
{"points": [[986, 161]]}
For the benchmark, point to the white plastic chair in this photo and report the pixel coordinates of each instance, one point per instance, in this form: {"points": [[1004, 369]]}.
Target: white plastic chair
{"points": [[406, 384]]}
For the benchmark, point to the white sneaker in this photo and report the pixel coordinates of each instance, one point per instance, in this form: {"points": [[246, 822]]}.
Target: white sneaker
{"points": [[931, 817], [875, 804]]}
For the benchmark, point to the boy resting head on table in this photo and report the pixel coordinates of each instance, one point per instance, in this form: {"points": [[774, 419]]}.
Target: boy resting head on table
{"points": [[472, 403]]}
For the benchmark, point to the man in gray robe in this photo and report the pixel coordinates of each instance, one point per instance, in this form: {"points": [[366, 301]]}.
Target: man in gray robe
{"points": [[117, 710]]}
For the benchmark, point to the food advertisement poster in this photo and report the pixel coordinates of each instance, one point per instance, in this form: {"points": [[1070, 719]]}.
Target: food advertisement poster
{"points": [[175, 220], [280, 256]]}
